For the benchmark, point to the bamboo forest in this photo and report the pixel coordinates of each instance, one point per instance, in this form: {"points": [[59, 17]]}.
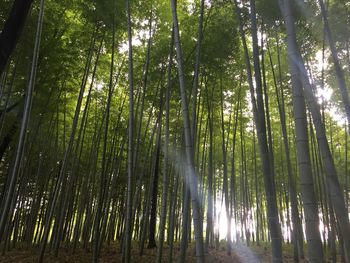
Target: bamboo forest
{"points": [[175, 131]]}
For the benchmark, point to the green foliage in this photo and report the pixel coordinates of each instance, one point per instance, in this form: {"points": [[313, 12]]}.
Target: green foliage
{"points": [[220, 44], [71, 26]]}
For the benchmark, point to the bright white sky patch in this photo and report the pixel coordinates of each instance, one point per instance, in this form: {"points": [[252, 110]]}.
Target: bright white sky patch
{"points": [[124, 47], [320, 63], [99, 86], [324, 94], [138, 35]]}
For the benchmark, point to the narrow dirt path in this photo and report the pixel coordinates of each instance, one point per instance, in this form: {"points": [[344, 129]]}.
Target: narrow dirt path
{"points": [[245, 254]]}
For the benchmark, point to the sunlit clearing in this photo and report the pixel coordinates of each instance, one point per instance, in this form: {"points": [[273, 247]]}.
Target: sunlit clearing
{"points": [[221, 224], [237, 229]]}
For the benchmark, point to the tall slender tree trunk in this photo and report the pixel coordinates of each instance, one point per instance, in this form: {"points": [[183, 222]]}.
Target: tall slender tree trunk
{"points": [[297, 227], [144, 89], [190, 169], [196, 75], [259, 117], [233, 206], [334, 189], [128, 223], [12, 30], [67, 154], [103, 180], [25, 120], [346, 167], [304, 162], [153, 218], [225, 180], [210, 216], [166, 158]]}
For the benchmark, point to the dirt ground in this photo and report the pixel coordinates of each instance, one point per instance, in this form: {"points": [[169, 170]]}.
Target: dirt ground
{"points": [[111, 255], [240, 254]]}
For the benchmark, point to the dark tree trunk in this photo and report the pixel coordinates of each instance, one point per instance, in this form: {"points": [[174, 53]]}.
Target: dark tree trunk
{"points": [[128, 223], [12, 30], [12, 131], [8, 139], [304, 162], [260, 120], [153, 219]]}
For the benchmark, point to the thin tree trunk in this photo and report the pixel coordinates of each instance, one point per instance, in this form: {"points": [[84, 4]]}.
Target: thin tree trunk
{"points": [[233, 208], [103, 179], [166, 158], [144, 89], [66, 157], [128, 223], [210, 216], [190, 169], [225, 180], [24, 125], [335, 192], [12, 30], [196, 74], [153, 218], [304, 162], [297, 227], [259, 117]]}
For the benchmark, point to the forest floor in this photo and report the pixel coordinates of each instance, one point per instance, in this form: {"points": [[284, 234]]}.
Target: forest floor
{"points": [[110, 255], [241, 254]]}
